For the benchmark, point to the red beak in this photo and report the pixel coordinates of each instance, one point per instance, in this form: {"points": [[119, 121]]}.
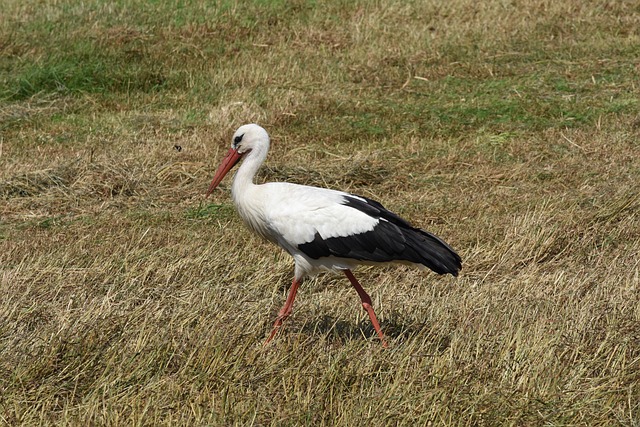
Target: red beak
{"points": [[228, 162]]}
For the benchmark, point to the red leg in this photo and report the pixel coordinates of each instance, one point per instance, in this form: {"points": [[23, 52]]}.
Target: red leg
{"points": [[366, 304], [286, 309]]}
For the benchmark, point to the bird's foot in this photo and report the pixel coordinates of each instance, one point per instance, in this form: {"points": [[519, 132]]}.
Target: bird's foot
{"points": [[277, 324], [374, 320]]}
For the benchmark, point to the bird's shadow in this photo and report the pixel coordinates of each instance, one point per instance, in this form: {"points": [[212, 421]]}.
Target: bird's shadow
{"points": [[342, 331]]}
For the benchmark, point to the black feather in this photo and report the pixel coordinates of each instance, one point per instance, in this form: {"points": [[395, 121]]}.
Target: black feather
{"points": [[392, 239]]}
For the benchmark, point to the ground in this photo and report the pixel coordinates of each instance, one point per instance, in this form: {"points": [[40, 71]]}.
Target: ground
{"points": [[509, 128]]}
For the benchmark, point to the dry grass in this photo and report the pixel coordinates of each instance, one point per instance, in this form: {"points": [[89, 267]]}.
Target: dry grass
{"points": [[509, 128]]}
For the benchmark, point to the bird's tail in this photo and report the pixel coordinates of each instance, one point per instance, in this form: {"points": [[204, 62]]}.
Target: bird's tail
{"points": [[433, 252]]}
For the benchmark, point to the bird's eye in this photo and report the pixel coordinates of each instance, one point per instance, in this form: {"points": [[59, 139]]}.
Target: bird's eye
{"points": [[237, 139]]}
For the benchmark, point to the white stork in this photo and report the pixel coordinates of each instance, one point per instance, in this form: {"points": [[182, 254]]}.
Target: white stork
{"points": [[324, 229]]}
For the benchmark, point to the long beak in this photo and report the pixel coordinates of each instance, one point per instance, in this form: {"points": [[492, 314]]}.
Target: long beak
{"points": [[228, 162]]}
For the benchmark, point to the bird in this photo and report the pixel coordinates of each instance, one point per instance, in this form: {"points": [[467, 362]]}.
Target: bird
{"points": [[324, 229]]}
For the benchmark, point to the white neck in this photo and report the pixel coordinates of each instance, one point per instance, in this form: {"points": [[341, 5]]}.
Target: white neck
{"points": [[243, 181], [246, 195]]}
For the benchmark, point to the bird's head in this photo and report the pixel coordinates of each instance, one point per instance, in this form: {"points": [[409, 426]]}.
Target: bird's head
{"points": [[248, 138]]}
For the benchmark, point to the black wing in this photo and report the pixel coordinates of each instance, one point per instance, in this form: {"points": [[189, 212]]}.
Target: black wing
{"points": [[392, 239]]}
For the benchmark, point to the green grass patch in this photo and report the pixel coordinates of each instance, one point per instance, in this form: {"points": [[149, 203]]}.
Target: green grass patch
{"points": [[210, 211], [76, 74]]}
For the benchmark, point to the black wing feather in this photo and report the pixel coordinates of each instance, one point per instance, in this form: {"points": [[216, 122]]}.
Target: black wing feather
{"points": [[392, 239]]}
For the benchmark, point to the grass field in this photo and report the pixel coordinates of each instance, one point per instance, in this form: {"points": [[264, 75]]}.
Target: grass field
{"points": [[510, 128]]}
